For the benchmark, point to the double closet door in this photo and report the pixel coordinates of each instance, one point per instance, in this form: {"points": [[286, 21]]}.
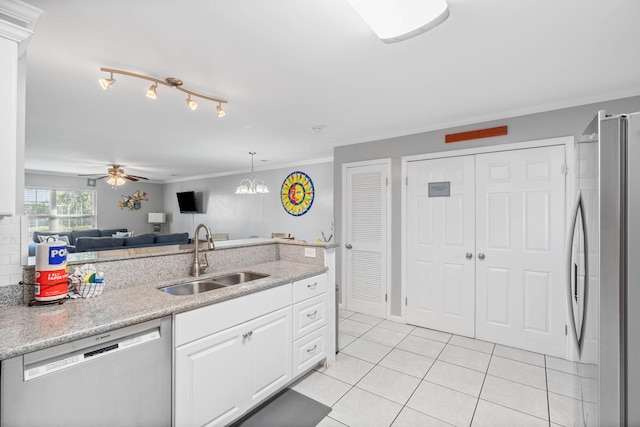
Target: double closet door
{"points": [[485, 247]]}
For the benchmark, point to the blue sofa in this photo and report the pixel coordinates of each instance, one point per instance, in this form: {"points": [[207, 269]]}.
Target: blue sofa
{"points": [[101, 240], [87, 244], [71, 236]]}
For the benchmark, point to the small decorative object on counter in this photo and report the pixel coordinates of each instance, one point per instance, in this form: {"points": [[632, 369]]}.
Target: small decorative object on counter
{"points": [[86, 282]]}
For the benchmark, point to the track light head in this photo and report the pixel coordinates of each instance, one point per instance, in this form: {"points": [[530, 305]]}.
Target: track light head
{"points": [[152, 92], [191, 103], [107, 83], [221, 113]]}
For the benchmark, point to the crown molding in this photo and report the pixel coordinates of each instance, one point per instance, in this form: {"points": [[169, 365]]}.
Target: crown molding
{"points": [[17, 22]]}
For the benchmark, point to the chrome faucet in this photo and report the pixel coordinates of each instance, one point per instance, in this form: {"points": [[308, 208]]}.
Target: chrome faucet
{"points": [[199, 267]]}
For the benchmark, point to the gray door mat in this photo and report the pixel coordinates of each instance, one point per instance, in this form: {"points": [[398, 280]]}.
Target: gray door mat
{"points": [[286, 409]]}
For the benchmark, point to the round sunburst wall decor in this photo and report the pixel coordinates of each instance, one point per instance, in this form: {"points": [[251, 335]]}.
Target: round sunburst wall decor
{"points": [[297, 193]]}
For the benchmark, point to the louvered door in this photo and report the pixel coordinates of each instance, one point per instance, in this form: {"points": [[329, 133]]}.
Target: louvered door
{"points": [[365, 249]]}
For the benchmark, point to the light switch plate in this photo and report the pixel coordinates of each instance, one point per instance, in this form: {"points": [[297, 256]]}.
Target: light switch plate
{"points": [[310, 252]]}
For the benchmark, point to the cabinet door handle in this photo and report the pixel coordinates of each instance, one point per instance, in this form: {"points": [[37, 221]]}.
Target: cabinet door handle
{"points": [[312, 315], [247, 334], [311, 350], [481, 256], [312, 287], [469, 255]]}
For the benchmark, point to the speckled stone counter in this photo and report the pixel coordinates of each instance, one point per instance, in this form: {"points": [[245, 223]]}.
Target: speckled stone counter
{"points": [[24, 329]]}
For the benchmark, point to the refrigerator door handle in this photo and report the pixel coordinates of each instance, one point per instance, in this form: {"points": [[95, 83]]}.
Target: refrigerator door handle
{"points": [[575, 282], [572, 275]]}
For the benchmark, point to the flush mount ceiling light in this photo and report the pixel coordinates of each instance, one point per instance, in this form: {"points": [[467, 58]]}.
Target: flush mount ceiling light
{"points": [[252, 185], [398, 20], [152, 92]]}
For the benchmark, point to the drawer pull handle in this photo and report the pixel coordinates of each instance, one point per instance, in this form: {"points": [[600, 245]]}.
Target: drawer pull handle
{"points": [[312, 315], [312, 286], [311, 350]]}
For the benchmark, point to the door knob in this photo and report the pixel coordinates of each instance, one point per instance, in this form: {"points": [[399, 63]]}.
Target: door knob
{"points": [[348, 246], [480, 256], [469, 255]]}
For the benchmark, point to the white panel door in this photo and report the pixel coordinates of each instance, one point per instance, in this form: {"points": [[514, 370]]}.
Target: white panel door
{"points": [[365, 251], [520, 249], [441, 244]]}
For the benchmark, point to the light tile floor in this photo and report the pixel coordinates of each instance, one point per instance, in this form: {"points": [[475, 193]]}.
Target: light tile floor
{"points": [[390, 374]]}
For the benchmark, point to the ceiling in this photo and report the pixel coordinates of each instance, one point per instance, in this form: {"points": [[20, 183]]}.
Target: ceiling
{"points": [[287, 66]]}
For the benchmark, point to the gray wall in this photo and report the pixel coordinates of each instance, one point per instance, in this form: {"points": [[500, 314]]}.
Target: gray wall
{"points": [[254, 215], [550, 124], [109, 213]]}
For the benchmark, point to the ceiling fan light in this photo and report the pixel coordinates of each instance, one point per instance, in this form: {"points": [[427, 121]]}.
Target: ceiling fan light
{"points": [[116, 181], [191, 103], [221, 113], [152, 92]]}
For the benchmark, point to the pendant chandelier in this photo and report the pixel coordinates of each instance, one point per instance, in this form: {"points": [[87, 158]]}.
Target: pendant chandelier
{"points": [[252, 185]]}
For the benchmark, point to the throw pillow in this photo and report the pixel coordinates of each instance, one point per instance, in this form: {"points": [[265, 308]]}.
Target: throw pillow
{"points": [[123, 234], [46, 237]]}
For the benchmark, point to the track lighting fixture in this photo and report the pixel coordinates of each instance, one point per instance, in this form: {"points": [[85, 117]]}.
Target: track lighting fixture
{"points": [[191, 103], [220, 111], [107, 83], [152, 92]]}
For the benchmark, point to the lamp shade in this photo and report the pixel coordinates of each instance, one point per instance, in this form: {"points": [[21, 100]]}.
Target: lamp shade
{"points": [[156, 218]]}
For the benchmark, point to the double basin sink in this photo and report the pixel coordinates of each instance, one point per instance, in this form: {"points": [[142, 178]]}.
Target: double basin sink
{"points": [[203, 285]]}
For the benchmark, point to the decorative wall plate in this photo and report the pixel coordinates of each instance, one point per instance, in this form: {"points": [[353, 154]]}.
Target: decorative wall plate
{"points": [[297, 193]]}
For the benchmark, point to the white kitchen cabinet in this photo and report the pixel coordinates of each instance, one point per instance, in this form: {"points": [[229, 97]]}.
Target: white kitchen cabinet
{"points": [[233, 355], [309, 323], [17, 22], [222, 375]]}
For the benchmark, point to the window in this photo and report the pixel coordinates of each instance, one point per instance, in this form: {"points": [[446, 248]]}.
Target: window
{"points": [[50, 209]]}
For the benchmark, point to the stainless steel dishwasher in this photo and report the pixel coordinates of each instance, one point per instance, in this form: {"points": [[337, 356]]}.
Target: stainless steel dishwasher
{"points": [[117, 378]]}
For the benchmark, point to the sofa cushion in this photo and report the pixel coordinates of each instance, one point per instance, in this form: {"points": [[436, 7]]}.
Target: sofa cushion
{"points": [[141, 240], [85, 244], [172, 238], [40, 236], [109, 232], [93, 232]]}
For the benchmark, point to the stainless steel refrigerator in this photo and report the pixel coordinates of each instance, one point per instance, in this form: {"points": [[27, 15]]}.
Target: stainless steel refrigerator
{"points": [[604, 274]]}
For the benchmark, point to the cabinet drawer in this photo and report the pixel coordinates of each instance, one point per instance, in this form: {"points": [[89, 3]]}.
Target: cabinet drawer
{"points": [[309, 287], [309, 315], [308, 351], [200, 322]]}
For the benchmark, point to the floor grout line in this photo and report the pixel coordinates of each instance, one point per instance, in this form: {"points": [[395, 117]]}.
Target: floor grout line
{"points": [[422, 379]]}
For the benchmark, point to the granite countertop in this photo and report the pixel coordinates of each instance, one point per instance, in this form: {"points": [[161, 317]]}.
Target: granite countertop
{"points": [[24, 329]]}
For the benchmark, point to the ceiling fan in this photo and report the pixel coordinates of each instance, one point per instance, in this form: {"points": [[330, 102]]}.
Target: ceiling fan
{"points": [[116, 176]]}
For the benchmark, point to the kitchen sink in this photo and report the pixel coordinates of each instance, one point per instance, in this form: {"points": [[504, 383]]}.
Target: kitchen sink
{"points": [[191, 288], [237, 278], [204, 285]]}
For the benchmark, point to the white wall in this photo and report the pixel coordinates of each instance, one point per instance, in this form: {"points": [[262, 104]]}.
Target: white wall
{"points": [[109, 214], [549, 124], [254, 215]]}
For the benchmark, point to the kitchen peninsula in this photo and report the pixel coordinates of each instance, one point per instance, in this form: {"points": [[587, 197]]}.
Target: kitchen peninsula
{"points": [[132, 297]]}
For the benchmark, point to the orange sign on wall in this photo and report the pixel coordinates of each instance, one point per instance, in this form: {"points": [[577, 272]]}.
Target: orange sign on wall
{"points": [[476, 134]]}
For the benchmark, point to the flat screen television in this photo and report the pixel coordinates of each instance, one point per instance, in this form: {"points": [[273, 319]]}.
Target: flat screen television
{"points": [[187, 202]]}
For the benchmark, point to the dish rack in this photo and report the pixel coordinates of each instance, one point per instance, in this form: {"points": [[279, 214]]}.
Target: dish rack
{"points": [[88, 290]]}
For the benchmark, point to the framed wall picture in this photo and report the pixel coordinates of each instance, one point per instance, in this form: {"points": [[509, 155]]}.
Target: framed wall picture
{"points": [[297, 193]]}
